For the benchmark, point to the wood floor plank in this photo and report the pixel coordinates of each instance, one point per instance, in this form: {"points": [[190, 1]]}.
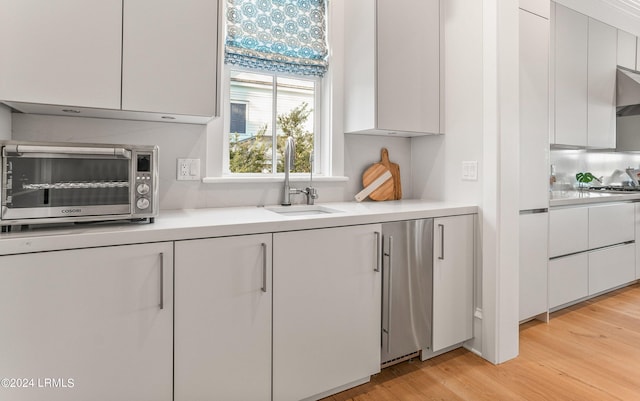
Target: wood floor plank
{"points": [[587, 352]]}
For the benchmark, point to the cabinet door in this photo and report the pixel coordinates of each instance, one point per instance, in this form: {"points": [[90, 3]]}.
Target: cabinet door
{"points": [[64, 52], [102, 317], [408, 74], [568, 231], [568, 279], [453, 246], [223, 319], [637, 231], [326, 309], [534, 259], [534, 111], [602, 85], [611, 224], [611, 267], [169, 56], [626, 50], [570, 77]]}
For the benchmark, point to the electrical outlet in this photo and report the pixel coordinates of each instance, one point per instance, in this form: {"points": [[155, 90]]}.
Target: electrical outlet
{"points": [[470, 170], [188, 169]]}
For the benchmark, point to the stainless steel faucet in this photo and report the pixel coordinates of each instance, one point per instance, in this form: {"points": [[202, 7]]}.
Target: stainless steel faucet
{"points": [[289, 161], [310, 191]]}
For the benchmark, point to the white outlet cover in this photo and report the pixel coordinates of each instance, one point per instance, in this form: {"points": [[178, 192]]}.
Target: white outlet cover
{"points": [[188, 170]]}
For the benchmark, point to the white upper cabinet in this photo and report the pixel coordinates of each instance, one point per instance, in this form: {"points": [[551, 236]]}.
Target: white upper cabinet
{"points": [[570, 62], [169, 56], [538, 7], [64, 52], [601, 113], [584, 60], [392, 67], [534, 111], [626, 50], [135, 59]]}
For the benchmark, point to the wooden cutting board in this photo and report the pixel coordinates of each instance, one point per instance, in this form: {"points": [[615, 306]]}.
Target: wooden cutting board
{"points": [[395, 173], [386, 191]]}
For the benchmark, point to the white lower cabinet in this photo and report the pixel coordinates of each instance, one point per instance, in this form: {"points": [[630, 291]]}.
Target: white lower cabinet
{"points": [[453, 248], [568, 279], [611, 267], [593, 250], [99, 321], [223, 319], [611, 224], [534, 259], [568, 231], [326, 309]]}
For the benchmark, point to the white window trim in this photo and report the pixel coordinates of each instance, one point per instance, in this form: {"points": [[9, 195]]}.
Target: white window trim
{"points": [[331, 115]]}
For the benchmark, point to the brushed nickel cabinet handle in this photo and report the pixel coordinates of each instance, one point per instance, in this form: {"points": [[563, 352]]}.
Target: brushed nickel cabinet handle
{"points": [[264, 267], [378, 255], [390, 292], [441, 226], [161, 280]]}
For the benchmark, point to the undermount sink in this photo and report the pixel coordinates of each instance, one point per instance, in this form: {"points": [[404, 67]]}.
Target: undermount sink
{"points": [[301, 210]]}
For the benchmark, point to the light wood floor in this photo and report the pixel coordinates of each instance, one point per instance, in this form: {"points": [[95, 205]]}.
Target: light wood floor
{"points": [[590, 351]]}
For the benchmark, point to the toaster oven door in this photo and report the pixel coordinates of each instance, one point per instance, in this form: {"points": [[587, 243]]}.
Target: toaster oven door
{"points": [[62, 182]]}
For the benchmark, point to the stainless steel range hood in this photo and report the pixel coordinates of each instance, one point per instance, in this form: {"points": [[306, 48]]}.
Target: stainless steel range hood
{"points": [[627, 92], [627, 110]]}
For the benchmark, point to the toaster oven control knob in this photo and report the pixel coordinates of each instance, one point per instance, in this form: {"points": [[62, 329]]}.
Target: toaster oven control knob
{"points": [[143, 189], [142, 203]]}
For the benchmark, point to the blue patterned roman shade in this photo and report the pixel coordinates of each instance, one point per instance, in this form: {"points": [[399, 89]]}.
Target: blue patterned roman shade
{"points": [[286, 36]]}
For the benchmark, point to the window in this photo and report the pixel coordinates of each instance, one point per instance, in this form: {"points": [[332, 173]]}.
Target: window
{"points": [[275, 56], [238, 118], [280, 107]]}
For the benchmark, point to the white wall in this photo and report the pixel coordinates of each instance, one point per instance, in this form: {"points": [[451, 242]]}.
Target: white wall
{"points": [[5, 123]]}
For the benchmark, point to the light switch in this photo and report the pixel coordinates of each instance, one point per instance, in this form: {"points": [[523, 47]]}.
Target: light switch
{"points": [[188, 169], [470, 170]]}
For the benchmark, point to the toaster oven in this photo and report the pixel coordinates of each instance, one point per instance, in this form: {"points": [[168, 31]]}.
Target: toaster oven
{"points": [[48, 182]]}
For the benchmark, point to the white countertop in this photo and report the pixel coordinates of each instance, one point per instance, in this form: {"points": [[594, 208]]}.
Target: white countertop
{"points": [[568, 198], [172, 225]]}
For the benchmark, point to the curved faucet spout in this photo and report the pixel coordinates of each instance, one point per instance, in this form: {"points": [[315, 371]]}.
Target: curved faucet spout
{"points": [[289, 160]]}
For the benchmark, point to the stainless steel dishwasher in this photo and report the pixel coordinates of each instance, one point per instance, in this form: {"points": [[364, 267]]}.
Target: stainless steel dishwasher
{"points": [[407, 289]]}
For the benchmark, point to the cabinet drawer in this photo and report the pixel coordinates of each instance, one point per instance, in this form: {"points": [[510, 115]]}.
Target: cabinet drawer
{"points": [[611, 267], [611, 224], [568, 279], [568, 231]]}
